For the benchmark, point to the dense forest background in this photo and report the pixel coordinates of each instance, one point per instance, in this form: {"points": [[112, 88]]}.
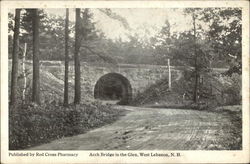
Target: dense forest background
{"points": [[218, 33]]}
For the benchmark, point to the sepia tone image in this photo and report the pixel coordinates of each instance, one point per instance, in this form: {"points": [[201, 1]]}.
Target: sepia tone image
{"points": [[125, 78]]}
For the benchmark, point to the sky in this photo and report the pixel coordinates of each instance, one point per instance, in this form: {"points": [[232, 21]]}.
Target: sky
{"points": [[143, 22]]}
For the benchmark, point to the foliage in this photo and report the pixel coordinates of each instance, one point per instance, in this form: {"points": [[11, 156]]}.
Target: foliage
{"points": [[225, 32], [160, 94], [31, 125], [232, 89], [216, 89], [95, 47], [218, 45], [201, 49], [222, 36]]}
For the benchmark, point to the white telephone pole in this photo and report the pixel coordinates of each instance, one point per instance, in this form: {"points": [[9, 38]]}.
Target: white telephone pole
{"points": [[24, 72], [169, 75]]}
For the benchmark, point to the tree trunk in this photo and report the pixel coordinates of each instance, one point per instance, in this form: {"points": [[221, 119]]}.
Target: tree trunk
{"points": [[14, 73], [196, 87], [66, 101], [24, 72], [36, 76], [77, 60]]}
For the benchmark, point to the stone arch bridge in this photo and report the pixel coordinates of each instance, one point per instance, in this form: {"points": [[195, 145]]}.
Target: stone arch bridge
{"points": [[119, 82]]}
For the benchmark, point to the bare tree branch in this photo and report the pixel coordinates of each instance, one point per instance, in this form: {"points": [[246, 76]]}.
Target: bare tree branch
{"points": [[115, 16]]}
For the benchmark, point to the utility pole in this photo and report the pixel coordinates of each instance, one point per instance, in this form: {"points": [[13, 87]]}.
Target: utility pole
{"points": [[24, 72], [169, 75]]}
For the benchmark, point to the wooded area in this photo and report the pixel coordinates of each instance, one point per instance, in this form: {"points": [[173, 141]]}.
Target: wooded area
{"points": [[214, 42], [219, 46]]}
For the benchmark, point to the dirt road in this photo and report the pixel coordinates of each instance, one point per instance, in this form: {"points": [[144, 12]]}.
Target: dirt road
{"points": [[158, 129]]}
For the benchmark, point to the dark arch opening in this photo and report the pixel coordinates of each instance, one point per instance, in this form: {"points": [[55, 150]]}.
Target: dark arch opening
{"points": [[113, 86]]}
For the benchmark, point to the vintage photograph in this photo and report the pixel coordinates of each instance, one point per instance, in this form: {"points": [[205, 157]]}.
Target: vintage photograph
{"points": [[125, 78]]}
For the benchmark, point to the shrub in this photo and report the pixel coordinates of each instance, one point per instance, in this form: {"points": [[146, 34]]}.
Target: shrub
{"points": [[232, 90], [31, 124], [215, 89]]}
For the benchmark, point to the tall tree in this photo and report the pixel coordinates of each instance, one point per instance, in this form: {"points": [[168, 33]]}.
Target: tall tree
{"points": [[196, 87], [66, 58], [77, 59], [188, 48], [14, 74], [163, 44], [197, 49], [36, 74]]}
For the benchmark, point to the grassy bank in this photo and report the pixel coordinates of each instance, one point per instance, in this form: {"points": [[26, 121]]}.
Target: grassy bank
{"points": [[31, 125], [215, 90]]}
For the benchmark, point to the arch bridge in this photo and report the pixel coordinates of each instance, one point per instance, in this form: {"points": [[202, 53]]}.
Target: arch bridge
{"points": [[120, 82]]}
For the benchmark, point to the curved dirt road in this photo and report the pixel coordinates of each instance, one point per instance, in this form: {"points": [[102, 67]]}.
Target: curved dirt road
{"points": [[158, 129]]}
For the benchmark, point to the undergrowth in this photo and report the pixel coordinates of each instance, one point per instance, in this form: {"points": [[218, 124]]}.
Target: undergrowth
{"points": [[31, 125], [215, 90]]}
